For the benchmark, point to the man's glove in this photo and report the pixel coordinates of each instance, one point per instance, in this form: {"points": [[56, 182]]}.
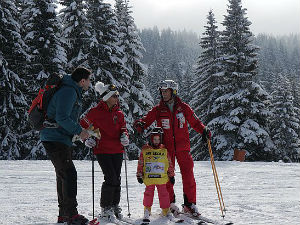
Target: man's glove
{"points": [[124, 140], [140, 180], [206, 135], [172, 180], [139, 126], [90, 142]]}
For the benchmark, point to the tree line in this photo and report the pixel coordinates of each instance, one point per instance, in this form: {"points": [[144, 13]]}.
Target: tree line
{"points": [[245, 88]]}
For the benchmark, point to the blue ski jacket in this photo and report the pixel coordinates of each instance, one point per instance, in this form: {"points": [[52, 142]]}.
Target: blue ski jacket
{"points": [[65, 108]]}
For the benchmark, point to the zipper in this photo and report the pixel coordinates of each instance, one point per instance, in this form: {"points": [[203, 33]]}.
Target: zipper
{"points": [[173, 128]]}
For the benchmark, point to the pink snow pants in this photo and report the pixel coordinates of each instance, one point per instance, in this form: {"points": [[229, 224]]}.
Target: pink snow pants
{"points": [[163, 195]]}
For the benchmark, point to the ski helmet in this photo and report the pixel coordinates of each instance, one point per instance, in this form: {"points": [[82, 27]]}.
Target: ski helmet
{"points": [[165, 84], [156, 131]]}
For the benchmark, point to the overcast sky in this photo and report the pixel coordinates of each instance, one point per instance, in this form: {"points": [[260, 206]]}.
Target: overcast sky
{"points": [[276, 17]]}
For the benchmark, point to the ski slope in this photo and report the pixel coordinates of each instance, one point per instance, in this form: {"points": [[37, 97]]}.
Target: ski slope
{"points": [[254, 192]]}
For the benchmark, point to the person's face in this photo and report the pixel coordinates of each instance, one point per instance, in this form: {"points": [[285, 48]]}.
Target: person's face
{"points": [[85, 83], [156, 140], [166, 94], [113, 100]]}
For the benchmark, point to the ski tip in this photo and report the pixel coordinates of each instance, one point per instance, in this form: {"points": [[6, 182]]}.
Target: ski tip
{"points": [[201, 223], [230, 223], [94, 222]]}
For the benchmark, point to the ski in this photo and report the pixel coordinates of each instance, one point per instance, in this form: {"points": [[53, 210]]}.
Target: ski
{"points": [[176, 220], [127, 220], [145, 222], [93, 222], [204, 220]]}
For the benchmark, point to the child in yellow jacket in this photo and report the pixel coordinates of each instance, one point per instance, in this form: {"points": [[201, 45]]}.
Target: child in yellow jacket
{"points": [[155, 170]]}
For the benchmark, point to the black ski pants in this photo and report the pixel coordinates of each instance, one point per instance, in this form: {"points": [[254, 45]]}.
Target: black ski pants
{"points": [[66, 177], [111, 165]]}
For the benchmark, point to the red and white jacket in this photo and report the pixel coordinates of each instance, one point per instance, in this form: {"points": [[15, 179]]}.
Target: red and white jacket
{"points": [[111, 124], [174, 124]]}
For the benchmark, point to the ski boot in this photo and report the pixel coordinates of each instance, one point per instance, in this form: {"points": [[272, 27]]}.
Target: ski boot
{"points": [[191, 210], [81, 220], [118, 212], [147, 213], [167, 213], [107, 213], [174, 209], [62, 219]]}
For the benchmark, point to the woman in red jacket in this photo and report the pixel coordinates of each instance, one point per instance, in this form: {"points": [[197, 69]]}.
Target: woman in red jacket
{"points": [[108, 117]]}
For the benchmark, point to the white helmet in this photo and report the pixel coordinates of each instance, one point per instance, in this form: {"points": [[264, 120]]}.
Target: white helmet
{"points": [[165, 84]]}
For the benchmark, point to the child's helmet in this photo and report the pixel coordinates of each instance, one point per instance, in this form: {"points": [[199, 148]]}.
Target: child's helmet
{"points": [[155, 132]]}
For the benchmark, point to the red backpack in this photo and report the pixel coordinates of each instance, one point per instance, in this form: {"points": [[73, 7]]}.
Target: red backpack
{"points": [[37, 113]]}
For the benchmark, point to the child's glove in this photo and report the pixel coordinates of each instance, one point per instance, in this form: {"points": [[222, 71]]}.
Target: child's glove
{"points": [[140, 180], [172, 180]]}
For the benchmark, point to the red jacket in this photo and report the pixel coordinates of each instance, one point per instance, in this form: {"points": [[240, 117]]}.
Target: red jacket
{"points": [[175, 126], [111, 124]]}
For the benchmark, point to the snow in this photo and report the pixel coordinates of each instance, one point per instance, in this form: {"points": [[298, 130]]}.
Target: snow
{"points": [[253, 192]]}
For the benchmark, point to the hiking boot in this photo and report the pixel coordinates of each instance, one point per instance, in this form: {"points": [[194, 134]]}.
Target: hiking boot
{"points": [[191, 209], [174, 209], [118, 212], [62, 219], [78, 220], [108, 214]]}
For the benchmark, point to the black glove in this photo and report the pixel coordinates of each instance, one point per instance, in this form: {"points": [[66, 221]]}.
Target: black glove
{"points": [[172, 180], [139, 126], [140, 180], [206, 135]]}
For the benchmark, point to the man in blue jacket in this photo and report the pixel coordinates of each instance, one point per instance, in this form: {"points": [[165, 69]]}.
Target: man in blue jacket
{"points": [[65, 108]]}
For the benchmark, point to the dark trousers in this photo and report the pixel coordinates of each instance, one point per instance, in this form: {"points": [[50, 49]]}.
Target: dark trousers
{"points": [[111, 165], [66, 176]]}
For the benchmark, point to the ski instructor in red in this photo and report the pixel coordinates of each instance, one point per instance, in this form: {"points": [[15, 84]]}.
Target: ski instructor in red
{"points": [[173, 115]]}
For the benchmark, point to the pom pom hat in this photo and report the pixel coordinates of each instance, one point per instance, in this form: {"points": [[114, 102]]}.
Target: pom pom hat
{"points": [[106, 91]]}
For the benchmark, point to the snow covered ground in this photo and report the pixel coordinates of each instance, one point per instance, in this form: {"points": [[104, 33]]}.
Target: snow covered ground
{"points": [[254, 193]]}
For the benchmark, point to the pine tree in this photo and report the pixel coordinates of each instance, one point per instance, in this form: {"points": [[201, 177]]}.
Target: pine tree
{"points": [[12, 101], [105, 54], [241, 110], [286, 123], [42, 29], [75, 32], [137, 98], [207, 72]]}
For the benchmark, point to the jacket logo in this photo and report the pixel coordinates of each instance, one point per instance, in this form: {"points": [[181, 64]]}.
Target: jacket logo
{"points": [[165, 123], [115, 119]]}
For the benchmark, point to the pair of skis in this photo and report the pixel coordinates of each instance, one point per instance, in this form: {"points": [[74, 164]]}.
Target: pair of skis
{"points": [[180, 218]]}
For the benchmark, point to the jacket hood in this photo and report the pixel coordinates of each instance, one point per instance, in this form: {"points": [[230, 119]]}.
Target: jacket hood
{"points": [[68, 81]]}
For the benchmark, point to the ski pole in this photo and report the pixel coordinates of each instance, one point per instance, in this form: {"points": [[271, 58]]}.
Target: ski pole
{"points": [[125, 158], [217, 183], [93, 181]]}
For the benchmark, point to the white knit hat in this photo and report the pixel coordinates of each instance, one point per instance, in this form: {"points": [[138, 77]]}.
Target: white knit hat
{"points": [[106, 91]]}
